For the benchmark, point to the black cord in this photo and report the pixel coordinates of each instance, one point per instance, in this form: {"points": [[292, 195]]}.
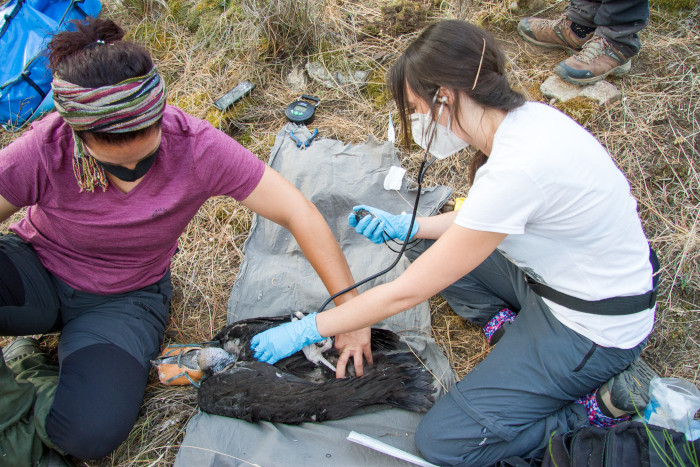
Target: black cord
{"points": [[421, 172], [411, 244]]}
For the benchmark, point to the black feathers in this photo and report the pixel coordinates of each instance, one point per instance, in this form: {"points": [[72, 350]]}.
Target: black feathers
{"points": [[295, 390]]}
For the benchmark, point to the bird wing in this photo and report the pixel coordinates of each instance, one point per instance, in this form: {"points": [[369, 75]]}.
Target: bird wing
{"points": [[255, 391]]}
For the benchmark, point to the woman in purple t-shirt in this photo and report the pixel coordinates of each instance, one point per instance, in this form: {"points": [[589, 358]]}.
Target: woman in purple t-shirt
{"points": [[110, 182]]}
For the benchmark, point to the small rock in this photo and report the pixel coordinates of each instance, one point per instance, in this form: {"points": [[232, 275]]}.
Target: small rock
{"points": [[336, 79], [379, 56], [318, 73], [296, 80], [556, 88]]}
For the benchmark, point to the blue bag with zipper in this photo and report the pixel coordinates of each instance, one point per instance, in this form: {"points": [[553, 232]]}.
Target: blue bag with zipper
{"points": [[26, 27]]}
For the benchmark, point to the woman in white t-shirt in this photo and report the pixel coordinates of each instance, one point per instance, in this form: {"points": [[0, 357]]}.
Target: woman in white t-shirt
{"points": [[547, 253]]}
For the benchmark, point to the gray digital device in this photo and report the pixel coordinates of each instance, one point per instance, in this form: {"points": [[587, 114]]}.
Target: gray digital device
{"points": [[235, 94]]}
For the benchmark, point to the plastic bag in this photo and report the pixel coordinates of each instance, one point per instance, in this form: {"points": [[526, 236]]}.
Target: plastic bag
{"points": [[673, 403], [26, 26]]}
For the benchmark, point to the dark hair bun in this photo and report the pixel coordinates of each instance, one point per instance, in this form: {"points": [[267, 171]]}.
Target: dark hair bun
{"points": [[92, 54], [81, 37]]}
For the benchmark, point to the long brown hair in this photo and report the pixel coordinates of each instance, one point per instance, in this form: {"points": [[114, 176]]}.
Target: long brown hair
{"points": [[458, 56], [93, 55]]}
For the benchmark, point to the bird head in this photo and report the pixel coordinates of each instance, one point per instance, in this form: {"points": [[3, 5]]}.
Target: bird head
{"points": [[214, 359]]}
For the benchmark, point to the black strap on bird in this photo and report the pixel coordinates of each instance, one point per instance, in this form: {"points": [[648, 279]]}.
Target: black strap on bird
{"points": [[614, 306]]}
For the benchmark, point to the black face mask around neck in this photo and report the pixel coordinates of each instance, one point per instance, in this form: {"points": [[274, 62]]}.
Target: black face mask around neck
{"points": [[130, 175]]}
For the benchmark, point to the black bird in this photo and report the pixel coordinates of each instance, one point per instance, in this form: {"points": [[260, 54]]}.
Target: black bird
{"points": [[296, 390]]}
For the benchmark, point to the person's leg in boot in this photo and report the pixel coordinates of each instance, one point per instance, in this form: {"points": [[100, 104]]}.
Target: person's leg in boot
{"points": [[570, 31], [105, 351], [616, 40], [522, 392], [97, 401], [27, 384], [558, 33], [28, 378], [622, 396]]}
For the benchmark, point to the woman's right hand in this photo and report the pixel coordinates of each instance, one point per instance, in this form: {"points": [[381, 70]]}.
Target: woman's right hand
{"points": [[356, 345]]}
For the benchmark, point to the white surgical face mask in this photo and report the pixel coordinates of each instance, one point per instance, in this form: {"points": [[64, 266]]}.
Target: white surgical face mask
{"points": [[445, 142]]}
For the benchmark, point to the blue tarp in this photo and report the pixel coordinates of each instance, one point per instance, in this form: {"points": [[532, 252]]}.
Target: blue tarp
{"points": [[26, 27]]}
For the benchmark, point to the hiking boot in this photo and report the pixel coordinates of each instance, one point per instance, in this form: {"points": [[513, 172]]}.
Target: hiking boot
{"points": [[597, 59], [627, 392], [20, 347], [552, 33]]}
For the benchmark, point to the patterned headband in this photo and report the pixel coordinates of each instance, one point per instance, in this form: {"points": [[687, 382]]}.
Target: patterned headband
{"points": [[130, 105]]}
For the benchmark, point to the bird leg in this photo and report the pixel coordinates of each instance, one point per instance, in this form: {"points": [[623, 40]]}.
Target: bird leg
{"points": [[314, 352]]}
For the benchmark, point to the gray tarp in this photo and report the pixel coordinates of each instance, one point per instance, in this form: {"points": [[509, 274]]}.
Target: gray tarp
{"points": [[276, 278]]}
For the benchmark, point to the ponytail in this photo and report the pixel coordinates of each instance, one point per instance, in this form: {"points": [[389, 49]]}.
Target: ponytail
{"points": [[94, 54], [458, 56]]}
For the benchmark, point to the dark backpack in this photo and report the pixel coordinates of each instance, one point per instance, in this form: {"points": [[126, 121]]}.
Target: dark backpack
{"points": [[626, 444]]}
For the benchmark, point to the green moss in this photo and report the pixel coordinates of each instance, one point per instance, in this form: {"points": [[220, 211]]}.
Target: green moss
{"points": [[185, 13], [222, 214], [329, 52], [234, 12], [203, 13], [579, 108], [158, 40], [225, 120], [178, 10], [208, 5], [530, 90], [673, 5], [376, 90], [215, 117], [245, 137], [191, 103], [401, 17], [405, 16], [371, 29]]}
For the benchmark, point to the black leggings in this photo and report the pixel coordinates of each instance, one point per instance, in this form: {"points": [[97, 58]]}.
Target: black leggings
{"points": [[97, 401], [105, 348]]}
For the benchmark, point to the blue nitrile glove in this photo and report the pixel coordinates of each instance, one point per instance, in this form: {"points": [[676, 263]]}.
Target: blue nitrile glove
{"points": [[282, 341], [380, 224]]}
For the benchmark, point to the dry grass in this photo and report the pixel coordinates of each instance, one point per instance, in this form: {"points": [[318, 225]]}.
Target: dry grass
{"points": [[205, 47]]}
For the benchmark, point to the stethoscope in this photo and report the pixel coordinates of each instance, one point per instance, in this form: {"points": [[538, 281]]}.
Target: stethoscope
{"points": [[425, 164]]}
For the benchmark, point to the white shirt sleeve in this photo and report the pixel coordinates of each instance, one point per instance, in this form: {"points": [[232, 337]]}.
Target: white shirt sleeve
{"points": [[503, 199]]}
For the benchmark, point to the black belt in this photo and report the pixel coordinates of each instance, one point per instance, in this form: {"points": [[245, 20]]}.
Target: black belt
{"points": [[607, 306]]}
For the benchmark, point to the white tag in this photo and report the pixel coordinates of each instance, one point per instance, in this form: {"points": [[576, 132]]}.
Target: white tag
{"points": [[387, 449], [391, 132], [394, 178]]}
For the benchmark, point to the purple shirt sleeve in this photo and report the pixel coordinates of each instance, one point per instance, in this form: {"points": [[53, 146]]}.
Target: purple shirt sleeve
{"points": [[223, 164], [108, 241], [22, 174]]}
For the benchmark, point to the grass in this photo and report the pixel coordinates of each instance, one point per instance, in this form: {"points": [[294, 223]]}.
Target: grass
{"points": [[674, 458], [204, 48]]}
